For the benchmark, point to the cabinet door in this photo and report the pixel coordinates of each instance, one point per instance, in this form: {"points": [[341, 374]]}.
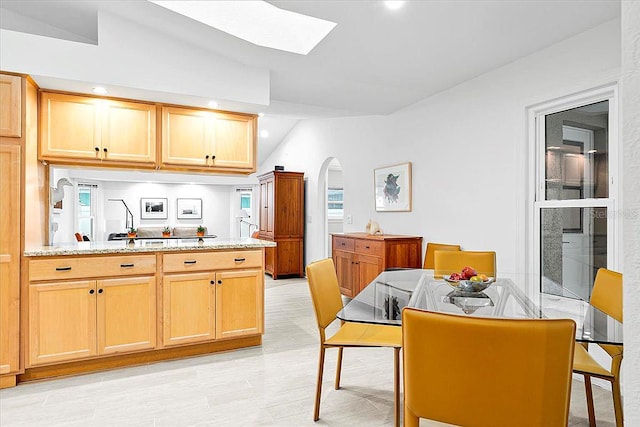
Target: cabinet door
{"points": [[239, 303], [266, 208], [62, 321], [345, 271], [288, 257], [129, 132], [70, 126], [187, 136], [10, 106], [287, 206], [126, 314], [188, 308], [9, 257], [234, 142], [368, 269]]}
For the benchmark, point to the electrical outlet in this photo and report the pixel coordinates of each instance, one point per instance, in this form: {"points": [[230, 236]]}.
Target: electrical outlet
{"points": [[309, 219], [349, 219]]}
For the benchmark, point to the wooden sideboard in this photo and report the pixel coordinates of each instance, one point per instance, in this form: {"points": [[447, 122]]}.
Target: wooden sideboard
{"points": [[360, 257]]}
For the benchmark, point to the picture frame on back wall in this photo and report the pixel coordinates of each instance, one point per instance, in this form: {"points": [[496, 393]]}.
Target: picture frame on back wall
{"points": [[153, 208], [393, 188], [189, 208]]}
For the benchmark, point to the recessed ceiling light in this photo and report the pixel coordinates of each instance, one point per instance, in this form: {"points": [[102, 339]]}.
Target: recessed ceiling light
{"points": [[394, 4], [99, 90], [257, 22], [213, 104], [264, 134]]}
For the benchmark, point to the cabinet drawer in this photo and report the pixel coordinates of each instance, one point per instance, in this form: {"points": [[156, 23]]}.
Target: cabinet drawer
{"points": [[369, 247], [343, 243], [201, 261], [80, 268]]}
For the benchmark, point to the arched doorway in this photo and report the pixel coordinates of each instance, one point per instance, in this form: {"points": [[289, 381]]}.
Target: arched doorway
{"points": [[333, 202]]}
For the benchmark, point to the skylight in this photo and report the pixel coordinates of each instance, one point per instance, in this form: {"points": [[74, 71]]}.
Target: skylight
{"points": [[257, 22]]}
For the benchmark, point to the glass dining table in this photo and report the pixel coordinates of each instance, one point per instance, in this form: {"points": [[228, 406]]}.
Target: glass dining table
{"points": [[384, 298]]}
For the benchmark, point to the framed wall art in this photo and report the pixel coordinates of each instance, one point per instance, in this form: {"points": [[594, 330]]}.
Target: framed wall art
{"points": [[189, 208], [393, 188], [153, 208]]}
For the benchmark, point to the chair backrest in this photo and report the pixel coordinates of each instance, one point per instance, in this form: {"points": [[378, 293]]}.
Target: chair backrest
{"points": [[431, 248], [325, 292], [78, 237], [472, 371], [607, 293], [447, 262]]}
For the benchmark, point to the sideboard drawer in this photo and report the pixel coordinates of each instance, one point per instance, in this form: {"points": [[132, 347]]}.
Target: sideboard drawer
{"points": [[82, 268], [343, 243], [206, 261], [369, 247]]}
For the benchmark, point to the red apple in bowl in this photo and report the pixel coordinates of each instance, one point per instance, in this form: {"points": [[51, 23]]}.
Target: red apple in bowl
{"points": [[468, 272]]}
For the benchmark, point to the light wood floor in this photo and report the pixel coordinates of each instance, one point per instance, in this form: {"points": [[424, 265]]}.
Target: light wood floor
{"points": [[272, 385]]}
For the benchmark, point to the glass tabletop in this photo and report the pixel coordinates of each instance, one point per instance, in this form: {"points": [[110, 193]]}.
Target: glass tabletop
{"points": [[384, 298]]}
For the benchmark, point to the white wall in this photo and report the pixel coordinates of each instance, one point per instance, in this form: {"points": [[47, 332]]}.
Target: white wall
{"points": [[465, 144], [215, 205], [630, 108]]}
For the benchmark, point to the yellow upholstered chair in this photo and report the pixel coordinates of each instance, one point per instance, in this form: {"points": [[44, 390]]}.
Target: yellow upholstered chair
{"points": [[486, 372], [447, 262], [327, 302], [432, 248], [607, 297]]}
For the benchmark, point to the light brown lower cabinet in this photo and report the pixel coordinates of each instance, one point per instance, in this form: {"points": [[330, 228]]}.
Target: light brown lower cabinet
{"points": [[85, 318], [212, 305]]}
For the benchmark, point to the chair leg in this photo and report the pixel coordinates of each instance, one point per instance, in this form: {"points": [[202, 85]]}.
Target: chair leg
{"points": [[316, 413], [396, 386], [588, 391], [410, 419], [617, 402], [339, 368]]}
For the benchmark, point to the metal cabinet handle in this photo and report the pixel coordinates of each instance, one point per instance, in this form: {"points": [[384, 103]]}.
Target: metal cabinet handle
{"points": [[91, 291], [239, 259], [190, 261], [206, 157], [63, 268], [213, 282], [213, 157], [97, 149], [219, 282], [343, 244], [104, 149], [126, 265], [100, 291], [367, 247]]}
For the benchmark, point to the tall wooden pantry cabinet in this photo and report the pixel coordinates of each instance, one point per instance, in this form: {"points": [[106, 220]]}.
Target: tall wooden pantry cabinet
{"points": [[282, 221]]}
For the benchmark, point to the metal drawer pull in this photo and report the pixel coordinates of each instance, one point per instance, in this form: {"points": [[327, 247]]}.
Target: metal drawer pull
{"points": [[63, 268], [367, 247], [239, 259], [126, 265], [343, 243], [190, 262]]}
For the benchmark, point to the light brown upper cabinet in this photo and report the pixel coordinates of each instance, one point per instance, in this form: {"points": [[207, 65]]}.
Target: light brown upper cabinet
{"points": [[83, 129], [208, 140], [10, 106]]}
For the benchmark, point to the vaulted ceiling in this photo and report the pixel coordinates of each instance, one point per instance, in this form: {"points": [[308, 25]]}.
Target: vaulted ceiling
{"points": [[375, 61]]}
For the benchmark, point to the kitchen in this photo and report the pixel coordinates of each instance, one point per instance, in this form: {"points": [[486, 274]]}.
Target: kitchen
{"points": [[314, 141]]}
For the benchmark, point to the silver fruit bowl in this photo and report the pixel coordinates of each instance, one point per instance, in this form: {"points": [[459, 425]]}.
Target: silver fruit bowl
{"points": [[469, 285]]}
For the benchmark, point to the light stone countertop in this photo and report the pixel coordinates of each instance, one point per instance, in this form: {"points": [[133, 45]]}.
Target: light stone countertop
{"points": [[157, 245]]}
